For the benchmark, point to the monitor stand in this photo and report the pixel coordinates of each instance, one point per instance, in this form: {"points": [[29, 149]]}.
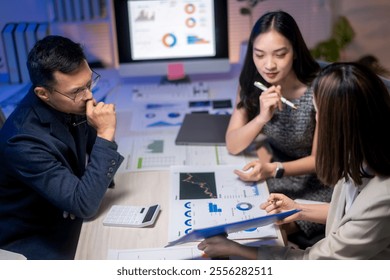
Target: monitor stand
{"points": [[175, 74], [185, 80]]}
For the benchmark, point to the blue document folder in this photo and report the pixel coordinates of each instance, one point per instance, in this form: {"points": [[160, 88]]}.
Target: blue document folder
{"points": [[199, 234]]}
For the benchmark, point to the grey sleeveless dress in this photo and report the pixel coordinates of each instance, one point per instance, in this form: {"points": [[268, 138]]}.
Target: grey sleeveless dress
{"points": [[289, 135]]}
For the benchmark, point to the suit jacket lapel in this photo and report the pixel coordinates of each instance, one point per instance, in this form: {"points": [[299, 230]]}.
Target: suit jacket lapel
{"points": [[58, 128]]}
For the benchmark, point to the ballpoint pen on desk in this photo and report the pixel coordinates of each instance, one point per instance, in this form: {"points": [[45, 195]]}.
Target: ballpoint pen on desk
{"points": [[284, 100]]}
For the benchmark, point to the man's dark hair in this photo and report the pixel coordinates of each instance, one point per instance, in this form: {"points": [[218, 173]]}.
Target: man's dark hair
{"points": [[53, 53]]}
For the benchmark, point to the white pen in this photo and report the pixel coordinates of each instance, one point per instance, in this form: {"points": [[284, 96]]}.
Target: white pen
{"points": [[284, 100]]}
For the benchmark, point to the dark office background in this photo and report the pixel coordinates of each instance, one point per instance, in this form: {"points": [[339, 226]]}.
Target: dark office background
{"points": [[369, 20]]}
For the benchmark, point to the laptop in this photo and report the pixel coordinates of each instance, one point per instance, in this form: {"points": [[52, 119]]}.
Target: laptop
{"points": [[203, 129]]}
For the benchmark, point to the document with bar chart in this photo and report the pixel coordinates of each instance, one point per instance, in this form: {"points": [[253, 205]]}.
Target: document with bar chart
{"points": [[159, 152], [206, 196]]}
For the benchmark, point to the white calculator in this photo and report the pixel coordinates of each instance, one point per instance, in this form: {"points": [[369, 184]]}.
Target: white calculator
{"points": [[131, 216]]}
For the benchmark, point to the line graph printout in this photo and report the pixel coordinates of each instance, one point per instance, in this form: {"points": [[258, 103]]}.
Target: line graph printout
{"points": [[159, 152], [204, 196]]}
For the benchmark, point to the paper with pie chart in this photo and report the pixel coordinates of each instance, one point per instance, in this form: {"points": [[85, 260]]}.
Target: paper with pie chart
{"points": [[208, 214], [205, 196], [227, 229]]}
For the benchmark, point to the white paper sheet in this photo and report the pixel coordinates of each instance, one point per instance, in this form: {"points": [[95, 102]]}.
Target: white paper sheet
{"points": [[159, 152], [203, 196], [171, 253]]}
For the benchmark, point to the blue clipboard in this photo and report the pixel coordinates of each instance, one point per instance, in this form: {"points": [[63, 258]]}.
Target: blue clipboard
{"points": [[199, 234]]}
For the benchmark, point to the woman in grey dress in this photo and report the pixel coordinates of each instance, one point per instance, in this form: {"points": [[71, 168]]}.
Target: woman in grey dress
{"points": [[278, 58]]}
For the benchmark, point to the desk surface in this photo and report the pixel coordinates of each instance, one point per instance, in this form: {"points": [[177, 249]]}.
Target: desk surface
{"points": [[140, 188], [135, 188]]}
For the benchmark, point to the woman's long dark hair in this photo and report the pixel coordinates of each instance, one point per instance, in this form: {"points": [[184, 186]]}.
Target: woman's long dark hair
{"points": [[304, 65], [353, 123]]}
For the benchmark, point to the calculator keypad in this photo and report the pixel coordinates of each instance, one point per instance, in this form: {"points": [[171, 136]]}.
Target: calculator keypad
{"points": [[131, 216]]}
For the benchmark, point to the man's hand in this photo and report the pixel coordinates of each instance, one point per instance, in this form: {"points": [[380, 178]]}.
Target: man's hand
{"points": [[102, 117]]}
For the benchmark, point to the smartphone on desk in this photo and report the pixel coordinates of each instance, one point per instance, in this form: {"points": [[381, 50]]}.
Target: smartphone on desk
{"points": [[131, 215]]}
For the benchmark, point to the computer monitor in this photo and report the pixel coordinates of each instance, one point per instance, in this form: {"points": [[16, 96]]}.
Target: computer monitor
{"points": [[156, 35]]}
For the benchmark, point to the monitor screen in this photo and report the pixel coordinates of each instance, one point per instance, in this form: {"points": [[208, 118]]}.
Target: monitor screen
{"points": [[156, 35]]}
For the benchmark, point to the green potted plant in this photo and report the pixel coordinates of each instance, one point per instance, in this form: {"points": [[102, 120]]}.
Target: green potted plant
{"points": [[330, 50]]}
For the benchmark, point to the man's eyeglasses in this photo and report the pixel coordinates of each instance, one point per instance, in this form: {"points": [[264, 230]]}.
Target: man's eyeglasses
{"points": [[78, 95]]}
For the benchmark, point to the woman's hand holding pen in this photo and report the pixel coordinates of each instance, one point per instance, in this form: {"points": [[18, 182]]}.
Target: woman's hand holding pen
{"points": [[282, 99], [277, 203], [269, 102]]}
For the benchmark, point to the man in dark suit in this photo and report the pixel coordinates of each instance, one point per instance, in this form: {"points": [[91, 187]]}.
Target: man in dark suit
{"points": [[58, 154]]}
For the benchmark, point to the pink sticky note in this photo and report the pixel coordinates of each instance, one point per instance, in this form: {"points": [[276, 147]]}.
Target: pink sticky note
{"points": [[176, 71]]}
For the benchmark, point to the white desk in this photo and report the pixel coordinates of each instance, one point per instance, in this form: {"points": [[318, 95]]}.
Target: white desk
{"points": [[140, 188], [131, 188]]}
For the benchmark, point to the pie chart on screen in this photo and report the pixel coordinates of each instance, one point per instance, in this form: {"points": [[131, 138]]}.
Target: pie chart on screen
{"points": [[169, 40], [189, 8]]}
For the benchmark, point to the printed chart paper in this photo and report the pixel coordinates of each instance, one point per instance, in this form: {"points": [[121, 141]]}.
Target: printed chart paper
{"points": [[204, 196], [159, 152], [233, 227]]}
